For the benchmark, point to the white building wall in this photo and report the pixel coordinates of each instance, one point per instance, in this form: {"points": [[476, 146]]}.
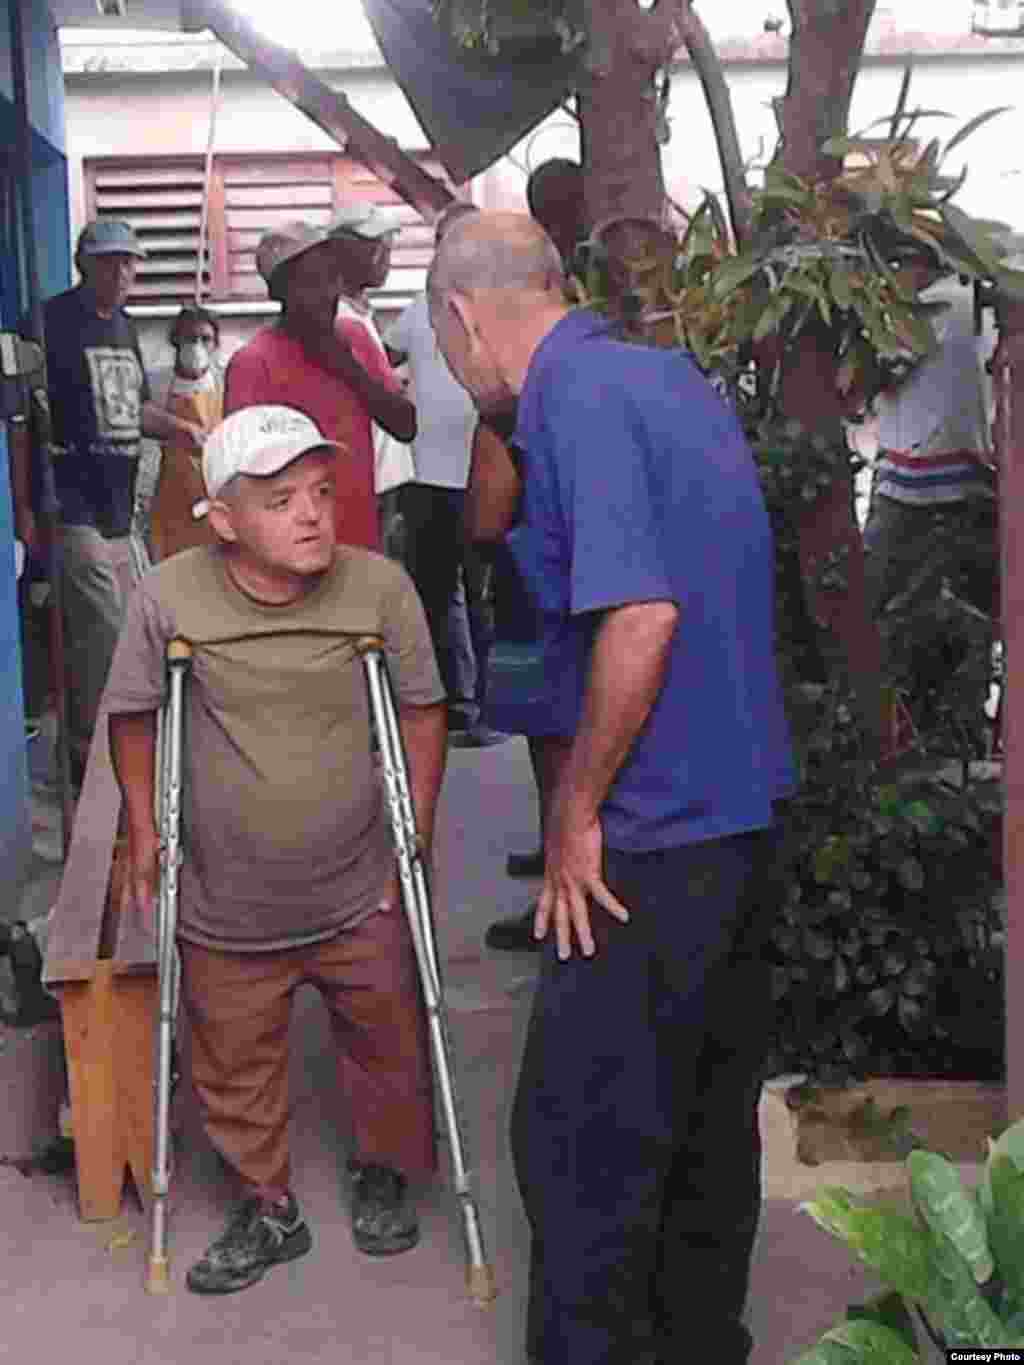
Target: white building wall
{"points": [[162, 113]]}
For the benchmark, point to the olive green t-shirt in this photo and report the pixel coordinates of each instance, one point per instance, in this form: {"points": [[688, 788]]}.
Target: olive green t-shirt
{"points": [[285, 835]]}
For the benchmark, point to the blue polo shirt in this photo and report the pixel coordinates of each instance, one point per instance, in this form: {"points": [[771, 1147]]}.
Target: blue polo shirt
{"points": [[639, 486]]}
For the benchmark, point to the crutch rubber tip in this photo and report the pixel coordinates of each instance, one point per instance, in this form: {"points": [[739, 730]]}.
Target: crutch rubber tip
{"points": [[480, 1282], [158, 1280]]}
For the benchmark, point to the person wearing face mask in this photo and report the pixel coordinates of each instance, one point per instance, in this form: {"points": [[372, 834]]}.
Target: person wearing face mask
{"points": [[196, 395], [101, 407]]}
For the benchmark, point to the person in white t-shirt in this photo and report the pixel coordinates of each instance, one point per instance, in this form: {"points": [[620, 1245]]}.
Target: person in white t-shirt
{"points": [[436, 553], [933, 471]]}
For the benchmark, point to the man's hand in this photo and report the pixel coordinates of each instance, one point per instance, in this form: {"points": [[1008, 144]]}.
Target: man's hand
{"points": [[572, 874], [27, 530], [391, 900], [144, 872], [194, 435]]}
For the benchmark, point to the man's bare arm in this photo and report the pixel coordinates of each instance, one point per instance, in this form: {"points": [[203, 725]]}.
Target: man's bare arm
{"points": [[388, 409], [133, 754], [627, 670], [494, 488], [160, 425], [424, 734]]}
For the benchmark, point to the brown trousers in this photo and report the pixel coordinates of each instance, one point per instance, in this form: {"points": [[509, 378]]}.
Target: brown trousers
{"points": [[239, 1007]]}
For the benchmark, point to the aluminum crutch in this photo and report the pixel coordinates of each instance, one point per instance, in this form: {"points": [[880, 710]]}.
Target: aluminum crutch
{"points": [[416, 901], [168, 794]]}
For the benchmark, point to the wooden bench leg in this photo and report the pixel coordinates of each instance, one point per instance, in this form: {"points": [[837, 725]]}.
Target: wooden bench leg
{"points": [[108, 1038]]}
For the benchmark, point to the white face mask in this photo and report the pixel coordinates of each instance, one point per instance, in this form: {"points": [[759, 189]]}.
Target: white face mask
{"points": [[194, 356]]}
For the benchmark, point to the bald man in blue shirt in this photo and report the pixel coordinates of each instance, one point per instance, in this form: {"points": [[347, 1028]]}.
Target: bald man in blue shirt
{"points": [[644, 539]]}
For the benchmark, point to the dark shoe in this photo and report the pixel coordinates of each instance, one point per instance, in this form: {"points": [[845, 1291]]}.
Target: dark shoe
{"points": [[525, 864], [259, 1235], [382, 1222], [478, 737], [514, 934]]}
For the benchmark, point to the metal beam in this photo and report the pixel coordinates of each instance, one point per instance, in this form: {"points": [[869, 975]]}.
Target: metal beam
{"points": [[328, 109]]}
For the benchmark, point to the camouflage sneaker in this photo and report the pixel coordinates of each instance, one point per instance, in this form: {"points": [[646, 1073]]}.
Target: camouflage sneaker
{"points": [[382, 1222], [259, 1235]]}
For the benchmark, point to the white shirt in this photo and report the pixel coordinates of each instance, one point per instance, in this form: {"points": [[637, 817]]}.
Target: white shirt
{"points": [[392, 459], [445, 415], [942, 406]]}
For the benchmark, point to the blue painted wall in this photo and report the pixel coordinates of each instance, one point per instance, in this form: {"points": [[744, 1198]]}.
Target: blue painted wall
{"points": [[50, 207]]}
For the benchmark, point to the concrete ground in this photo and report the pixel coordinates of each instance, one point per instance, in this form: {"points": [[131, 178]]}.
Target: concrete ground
{"points": [[75, 1290]]}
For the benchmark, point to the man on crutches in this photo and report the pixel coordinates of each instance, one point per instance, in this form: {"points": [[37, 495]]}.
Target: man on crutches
{"points": [[288, 874]]}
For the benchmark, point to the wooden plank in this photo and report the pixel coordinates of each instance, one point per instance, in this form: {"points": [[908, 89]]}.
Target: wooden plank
{"points": [[153, 173], [90, 1041], [262, 220], [185, 241], [266, 171], [296, 197], [109, 1027], [164, 222], [81, 903], [130, 203]]}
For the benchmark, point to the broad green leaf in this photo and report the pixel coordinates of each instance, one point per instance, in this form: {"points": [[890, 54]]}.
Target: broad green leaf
{"points": [[731, 274], [826, 1353], [950, 1210], [955, 1303], [890, 1310], [872, 1343], [1011, 1144], [978, 242], [887, 1240], [972, 125], [1006, 1224]]}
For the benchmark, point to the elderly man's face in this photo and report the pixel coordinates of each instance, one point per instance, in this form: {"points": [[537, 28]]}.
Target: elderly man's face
{"points": [[466, 341], [110, 277]]}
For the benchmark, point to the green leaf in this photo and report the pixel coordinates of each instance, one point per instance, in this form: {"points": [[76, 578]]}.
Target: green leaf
{"points": [[890, 1310], [922, 817], [1011, 1144], [950, 1210], [886, 1239], [826, 1353], [977, 241], [872, 1343], [733, 272], [1006, 1223], [972, 125]]}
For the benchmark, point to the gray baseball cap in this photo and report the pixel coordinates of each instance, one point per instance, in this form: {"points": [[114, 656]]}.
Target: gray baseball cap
{"points": [[107, 237]]}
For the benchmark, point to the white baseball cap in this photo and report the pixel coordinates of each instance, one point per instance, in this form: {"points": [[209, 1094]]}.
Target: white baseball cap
{"points": [[258, 441], [370, 221]]}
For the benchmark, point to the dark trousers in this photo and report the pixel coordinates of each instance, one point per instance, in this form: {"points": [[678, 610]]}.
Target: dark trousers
{"points": [[435, 551], [634, 1128]]}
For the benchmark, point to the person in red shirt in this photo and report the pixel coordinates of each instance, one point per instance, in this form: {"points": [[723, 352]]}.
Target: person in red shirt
{"points": [[328, 368]]}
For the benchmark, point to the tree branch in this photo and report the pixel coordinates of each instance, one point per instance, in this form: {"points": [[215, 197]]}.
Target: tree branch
{"points": [[706, 63]]}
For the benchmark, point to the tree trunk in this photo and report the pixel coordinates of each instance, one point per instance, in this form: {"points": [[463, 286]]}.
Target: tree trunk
{"points": [[826, 47], [825, 50], [618, 109]]}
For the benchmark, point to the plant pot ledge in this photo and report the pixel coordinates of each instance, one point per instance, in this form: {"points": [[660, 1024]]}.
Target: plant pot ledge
{"points": [[821, 1140]]}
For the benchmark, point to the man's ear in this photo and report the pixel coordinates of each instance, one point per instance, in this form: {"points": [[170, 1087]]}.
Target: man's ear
{"points": [[222, 523], [463, 311]]}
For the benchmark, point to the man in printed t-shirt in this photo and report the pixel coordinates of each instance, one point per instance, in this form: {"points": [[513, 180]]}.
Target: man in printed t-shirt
{"points": [[100, 407], [327, 367], [289, 872]]}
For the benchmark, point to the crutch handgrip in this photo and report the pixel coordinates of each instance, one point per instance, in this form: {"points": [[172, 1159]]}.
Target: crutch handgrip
{"points": [[179, 650], [366, 644]]}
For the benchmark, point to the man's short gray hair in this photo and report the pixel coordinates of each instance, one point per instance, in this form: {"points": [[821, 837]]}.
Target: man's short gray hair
{"points": [[494, 251]]}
